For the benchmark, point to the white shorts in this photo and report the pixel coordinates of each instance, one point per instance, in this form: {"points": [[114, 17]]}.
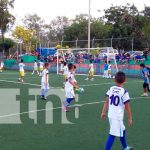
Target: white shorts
{"points": [[44, 86], [69, 92], [105, 71], [116, 127]]}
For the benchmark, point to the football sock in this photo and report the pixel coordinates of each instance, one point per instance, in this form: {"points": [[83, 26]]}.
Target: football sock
{"points": [[123, 140], [45, 92], [110, 142]]}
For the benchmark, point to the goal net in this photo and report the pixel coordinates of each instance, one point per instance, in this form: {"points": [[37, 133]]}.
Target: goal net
{"points": [[82, 57]]}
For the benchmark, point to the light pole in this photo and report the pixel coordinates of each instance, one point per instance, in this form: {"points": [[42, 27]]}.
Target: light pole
{"points": [[89, 22]]}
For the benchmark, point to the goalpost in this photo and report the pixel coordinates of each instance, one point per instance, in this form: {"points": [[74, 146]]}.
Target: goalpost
{"points": [[81, 58]]}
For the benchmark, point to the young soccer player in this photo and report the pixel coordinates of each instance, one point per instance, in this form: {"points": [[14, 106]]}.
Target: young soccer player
{"points": [[61, 67], [69, 86], [109, 70], [146, 78], [21, 70], [116, 101], [1, 66], [45, 82], [65, 71], [105, 75], [35, 68], [91, 71], [41, 64]]}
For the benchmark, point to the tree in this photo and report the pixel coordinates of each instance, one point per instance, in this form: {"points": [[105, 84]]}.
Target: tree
{"points": [[56, 28], [8, 43], [24, 35], [127, 21], [35, 23], [79, 30], [6, 18]]}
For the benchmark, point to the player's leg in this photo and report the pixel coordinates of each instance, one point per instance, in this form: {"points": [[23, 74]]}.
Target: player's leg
{"points": [[88, 77], [21, 76], [109, 73], [124, 143], [148, 84], [109, 142], [40, 70], [123, 140], [37, 72], [67, 103], [121, 127], [105, 74], [92, 75], [145, 85], [148, 87], [44, 91], [1, 69], [70, 96], [33, 71]]}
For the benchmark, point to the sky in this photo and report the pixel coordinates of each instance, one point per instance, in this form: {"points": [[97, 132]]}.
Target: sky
{"points": [[50, 9]]}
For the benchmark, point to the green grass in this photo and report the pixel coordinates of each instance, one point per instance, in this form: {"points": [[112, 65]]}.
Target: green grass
{"points": [[88, 132]]}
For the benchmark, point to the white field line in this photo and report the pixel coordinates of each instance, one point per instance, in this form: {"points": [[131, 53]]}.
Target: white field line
{"points": [[38, 85], [76, 105], [17, 78], [135, 81]]}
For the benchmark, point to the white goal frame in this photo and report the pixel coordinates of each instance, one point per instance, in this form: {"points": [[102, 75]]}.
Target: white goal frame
{"points": [[110, 56]]}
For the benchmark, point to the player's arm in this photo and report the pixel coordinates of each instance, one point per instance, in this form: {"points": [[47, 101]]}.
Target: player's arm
{"points": [[146, 76], [74, 83], [129, 112], [105, 106], [46, 78]]}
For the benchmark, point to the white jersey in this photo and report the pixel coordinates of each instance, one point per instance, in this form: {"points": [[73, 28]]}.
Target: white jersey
{"points": [[61, 67], [44, 74], [65, 69], [35, 65], [118, 96], [21, 66], [74, 77], [2, 64], [41, 64], [70, 77], [109, 67], [91, 67]]}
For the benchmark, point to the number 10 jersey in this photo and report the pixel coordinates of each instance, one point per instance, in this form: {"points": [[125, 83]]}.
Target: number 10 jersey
{"points": [[118, 97]]}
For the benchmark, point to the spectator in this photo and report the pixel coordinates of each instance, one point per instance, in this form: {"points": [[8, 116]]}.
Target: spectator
{"points": [[145, 53]]}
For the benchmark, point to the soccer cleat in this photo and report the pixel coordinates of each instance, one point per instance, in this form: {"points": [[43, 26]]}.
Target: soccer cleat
{"points": [[86, 79], [66, 109], [128, 148], [43, 98], [144, 95]]}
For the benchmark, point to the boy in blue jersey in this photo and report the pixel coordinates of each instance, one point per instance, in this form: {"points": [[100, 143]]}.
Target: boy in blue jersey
{"points": [[105, 75], [146, 78], [117, 99]]}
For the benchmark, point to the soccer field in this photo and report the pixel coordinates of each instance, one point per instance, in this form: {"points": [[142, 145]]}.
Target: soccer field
{"points": [[88, 132]]}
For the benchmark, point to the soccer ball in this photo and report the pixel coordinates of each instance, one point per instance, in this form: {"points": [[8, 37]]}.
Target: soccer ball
{"points": [[81, 90]]}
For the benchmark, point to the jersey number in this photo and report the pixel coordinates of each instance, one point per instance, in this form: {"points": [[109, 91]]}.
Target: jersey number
{"points": [[114, 100]]}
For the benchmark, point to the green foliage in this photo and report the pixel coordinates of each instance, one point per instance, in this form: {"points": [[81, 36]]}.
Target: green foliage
{"points": [[8, 43], [6, 18]]}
